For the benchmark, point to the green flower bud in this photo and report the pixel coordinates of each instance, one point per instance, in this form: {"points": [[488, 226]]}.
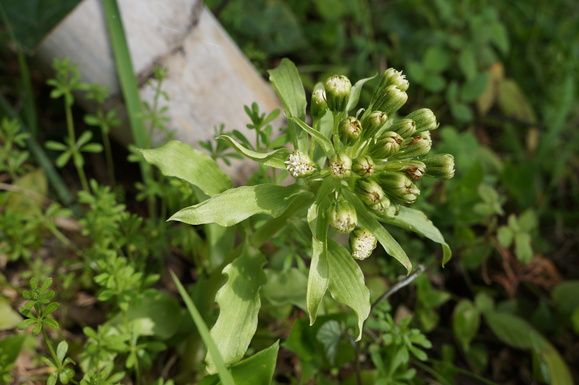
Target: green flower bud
{"points": [[362, 243], [350, 130], [363, 166], [403, 127], [341, 166], [440, 166], [384, 207], [393, 77], [399, 187], [390, 100], [343, 216], [318, 106], [415, 169], [369, 191], [338, 89], [415, 146], [300, 165], [424, 118], [373, 123], [386, 145]]}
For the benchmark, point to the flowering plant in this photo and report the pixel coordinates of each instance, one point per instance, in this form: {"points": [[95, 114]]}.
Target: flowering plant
{"points": [[351, 174]]}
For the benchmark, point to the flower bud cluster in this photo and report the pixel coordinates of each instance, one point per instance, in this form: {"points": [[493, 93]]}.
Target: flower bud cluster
{"points": [[376, 155]]}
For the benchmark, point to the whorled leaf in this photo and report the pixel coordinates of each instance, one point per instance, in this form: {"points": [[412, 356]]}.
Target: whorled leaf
{"points": [[274, 158], [180, 160], [238, 204], [416, 220], [517, 333], [347, 284], [239, 303]]}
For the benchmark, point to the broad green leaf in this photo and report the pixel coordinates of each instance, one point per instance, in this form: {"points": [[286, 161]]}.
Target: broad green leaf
{"points": [[288, 85], [434, 83], [505, 236], [155, 313], [471, 90], [212, 349], [467, 63], [180, 160], [320, 138], [329, 334], [528, 220], [255, 370], [499, 37], [523, 248], [483, 302], [32, 20], [465, 323], [436, 59], [318, 278], [416, 221], [239, 304], [286, 287], [347, 284], [9, 318], [10, 346], [298, 208], [514, 103], [416, 72], [517, 333], [355, 93], [565, 296], [461, 112], [235, 205], [274, 158]]}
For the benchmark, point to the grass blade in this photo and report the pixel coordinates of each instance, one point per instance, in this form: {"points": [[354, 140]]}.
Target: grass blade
{"points": [[224, 374], [127, 78]]}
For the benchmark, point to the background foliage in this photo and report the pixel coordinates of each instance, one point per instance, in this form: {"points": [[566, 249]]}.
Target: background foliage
{"points": [[502, 80]]}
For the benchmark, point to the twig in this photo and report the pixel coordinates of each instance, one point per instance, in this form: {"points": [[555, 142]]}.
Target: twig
{"points": [[405, 282]]}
